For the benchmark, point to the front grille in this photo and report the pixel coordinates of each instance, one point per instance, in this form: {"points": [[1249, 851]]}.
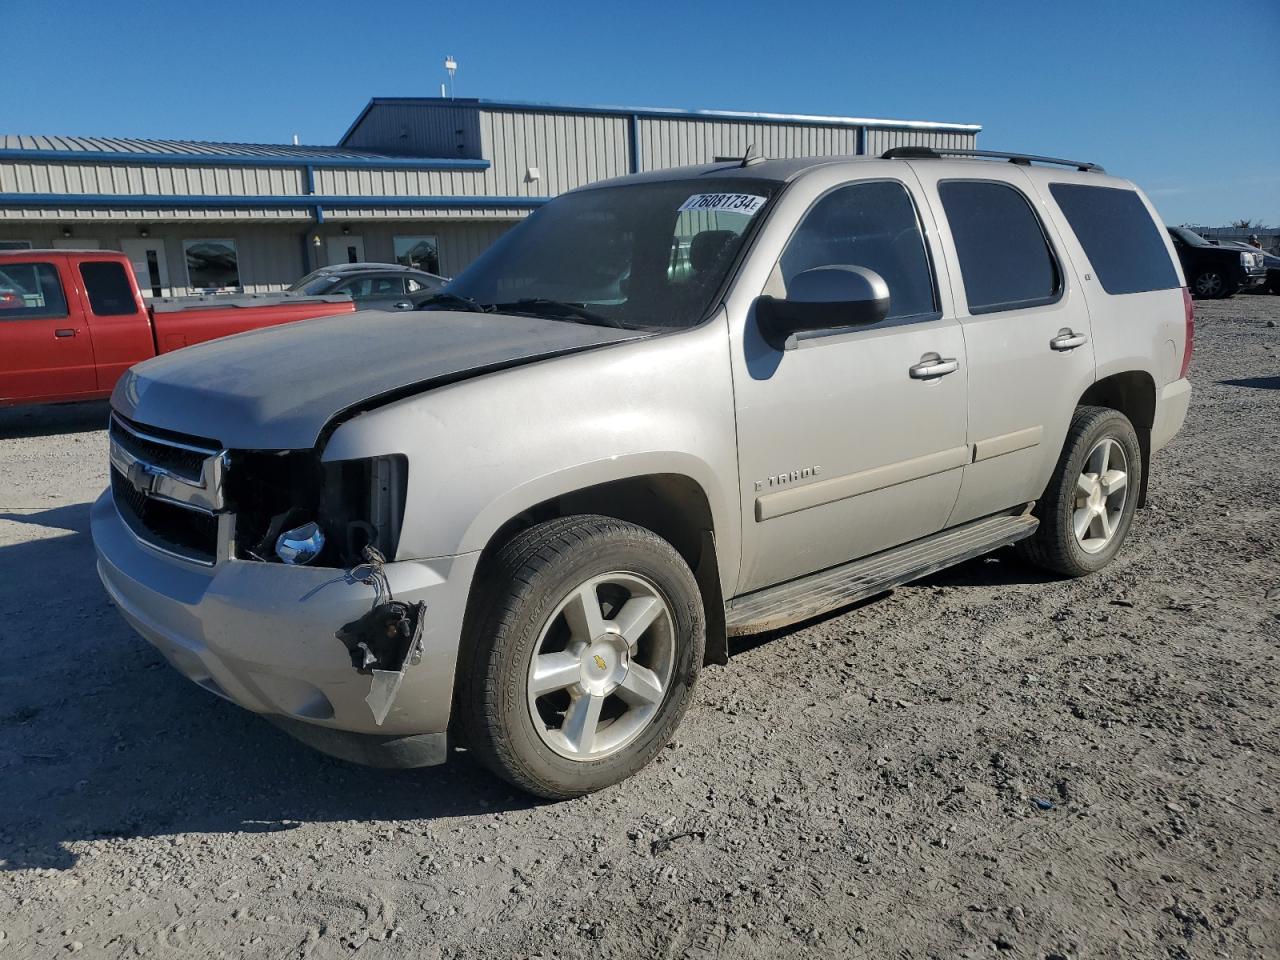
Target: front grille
{"points": [[164, 512], [185, 458], [174, 529]]}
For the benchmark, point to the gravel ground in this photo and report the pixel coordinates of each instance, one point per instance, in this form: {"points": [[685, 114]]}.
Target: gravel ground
{"points": [[988, 763]]}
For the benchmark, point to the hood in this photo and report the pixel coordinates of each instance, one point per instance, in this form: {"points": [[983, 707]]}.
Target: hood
{"points": [[277, 388]]}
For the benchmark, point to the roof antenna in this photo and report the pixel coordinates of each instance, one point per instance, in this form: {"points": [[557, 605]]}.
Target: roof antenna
{"points": [[750, 156]]}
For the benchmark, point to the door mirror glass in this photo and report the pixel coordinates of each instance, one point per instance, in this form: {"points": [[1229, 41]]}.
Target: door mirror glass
{"points": [[823, 298]]}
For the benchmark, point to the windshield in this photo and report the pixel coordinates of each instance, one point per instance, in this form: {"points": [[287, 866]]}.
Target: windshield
{"points": [[640, 255], [312, 283]]}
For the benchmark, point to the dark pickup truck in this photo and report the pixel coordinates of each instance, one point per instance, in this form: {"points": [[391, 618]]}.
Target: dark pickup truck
{"points": [[1215, 272], [72, 322]]}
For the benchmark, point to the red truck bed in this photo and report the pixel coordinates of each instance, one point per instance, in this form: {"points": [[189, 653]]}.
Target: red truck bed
{"points": [[71, 322]]}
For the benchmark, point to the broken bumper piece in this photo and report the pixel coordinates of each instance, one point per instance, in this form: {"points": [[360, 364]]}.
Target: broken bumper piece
{"points": [[264, 636]]}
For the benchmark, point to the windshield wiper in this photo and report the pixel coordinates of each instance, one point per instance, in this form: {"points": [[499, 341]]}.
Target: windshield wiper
{"points": [[559, 309], [453, 300]]}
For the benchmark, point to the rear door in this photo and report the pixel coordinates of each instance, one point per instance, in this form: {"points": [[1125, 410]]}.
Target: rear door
{"points": [[118, 319], [1026, 330], [45, 349], [1131, 281], [844, 448]]}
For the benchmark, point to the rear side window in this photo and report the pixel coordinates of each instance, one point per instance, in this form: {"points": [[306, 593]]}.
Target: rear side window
{"points": [[1119, 237], [874, 225], [1004, 256], [30, 291], [109, 289]]}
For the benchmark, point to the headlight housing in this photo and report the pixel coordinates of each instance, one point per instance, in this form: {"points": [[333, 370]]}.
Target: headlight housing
{"points": [[352, 503]]}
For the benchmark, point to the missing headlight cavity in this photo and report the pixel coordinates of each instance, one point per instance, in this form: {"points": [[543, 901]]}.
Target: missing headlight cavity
{"points": [[387, 639], [355, 503]]}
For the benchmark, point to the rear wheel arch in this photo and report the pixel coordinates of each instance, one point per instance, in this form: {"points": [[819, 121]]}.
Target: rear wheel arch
{"points": [[1133, 393]]}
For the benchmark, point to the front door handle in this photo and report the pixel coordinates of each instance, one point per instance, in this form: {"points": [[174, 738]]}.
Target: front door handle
{"points": [[932, 365], [64, 332], [1068, 340], [402, 305]]}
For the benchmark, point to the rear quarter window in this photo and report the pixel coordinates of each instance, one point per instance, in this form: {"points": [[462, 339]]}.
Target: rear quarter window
{"points": [[1119, 237], [109, 289]]}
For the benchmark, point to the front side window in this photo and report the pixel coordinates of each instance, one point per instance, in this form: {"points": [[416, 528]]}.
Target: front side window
{"points": [[30, 291], [872, 225], [643, 255], [418, 253], [1119, 237], [1005, 260], [212, 264], [109, 289]]}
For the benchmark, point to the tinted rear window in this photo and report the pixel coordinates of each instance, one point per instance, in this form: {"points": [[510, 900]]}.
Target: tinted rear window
{"points": [[1119, 237], [109, 289], [1004, 257]]}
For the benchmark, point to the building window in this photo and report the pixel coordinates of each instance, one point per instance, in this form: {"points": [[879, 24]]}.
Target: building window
{"points": [[419, 253], [212, 264], [15, 244]]}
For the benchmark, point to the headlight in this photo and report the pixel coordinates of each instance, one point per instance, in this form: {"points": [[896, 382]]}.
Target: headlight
{"points": [[300, 545]]}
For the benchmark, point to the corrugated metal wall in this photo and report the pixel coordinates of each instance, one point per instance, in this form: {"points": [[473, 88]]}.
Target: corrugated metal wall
{"points": [[678, 142], [153, 214], [133, 178], [567, 149], [365, 182], [878, 141]]}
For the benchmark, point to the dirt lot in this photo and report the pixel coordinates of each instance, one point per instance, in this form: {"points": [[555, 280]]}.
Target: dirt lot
{"points": [[991, 762]]}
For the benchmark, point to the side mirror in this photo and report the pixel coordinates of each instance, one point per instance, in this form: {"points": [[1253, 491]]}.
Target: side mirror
{"points": [[823, 298]]}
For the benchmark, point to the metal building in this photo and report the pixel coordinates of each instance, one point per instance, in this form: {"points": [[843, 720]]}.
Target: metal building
{"points": [[425, 180]]}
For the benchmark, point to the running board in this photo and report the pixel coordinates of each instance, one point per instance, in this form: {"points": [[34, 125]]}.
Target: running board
{"points": [[828, 590]]}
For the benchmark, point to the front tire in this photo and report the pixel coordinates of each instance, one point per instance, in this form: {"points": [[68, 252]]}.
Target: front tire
{"points": [[1088, 507], [585, 646], [1213, 284]]}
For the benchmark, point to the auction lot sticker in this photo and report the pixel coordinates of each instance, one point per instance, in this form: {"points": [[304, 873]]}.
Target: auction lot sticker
{"points": [[745, 203]]}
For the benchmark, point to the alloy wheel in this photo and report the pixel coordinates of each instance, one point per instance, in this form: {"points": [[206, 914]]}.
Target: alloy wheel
{"points": [[602, 666], [1209, 284], [1101, 491]]}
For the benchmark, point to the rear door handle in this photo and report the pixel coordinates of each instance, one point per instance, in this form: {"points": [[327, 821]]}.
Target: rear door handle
{"points": [[402, 305], [1068, 340], [932, 365], [64, 332]]}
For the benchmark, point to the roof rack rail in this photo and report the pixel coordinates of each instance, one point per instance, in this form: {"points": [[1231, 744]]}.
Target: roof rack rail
{"points": [[1022, 159]]}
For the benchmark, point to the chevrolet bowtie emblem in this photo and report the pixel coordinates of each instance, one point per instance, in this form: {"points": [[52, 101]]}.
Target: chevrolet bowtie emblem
{"points": [[141, 477], [600, 661]]}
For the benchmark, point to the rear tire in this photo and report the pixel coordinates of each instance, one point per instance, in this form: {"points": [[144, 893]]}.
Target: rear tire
{"points": [[583, 655], [1087, 509]]}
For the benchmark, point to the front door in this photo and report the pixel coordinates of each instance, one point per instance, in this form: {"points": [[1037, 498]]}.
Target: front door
{"points": [[1026, 330], [346, 250], [847, 444], [146, 255], [45, 348]]}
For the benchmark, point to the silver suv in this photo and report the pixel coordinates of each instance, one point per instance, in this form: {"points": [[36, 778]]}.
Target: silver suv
{"points": [[664, 410]]}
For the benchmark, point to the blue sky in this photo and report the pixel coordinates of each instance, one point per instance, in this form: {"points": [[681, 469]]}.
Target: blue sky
{"points": [[1183, 97]]}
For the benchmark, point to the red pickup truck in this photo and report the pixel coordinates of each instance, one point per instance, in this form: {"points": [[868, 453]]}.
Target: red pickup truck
{"points": [[72, 321]]}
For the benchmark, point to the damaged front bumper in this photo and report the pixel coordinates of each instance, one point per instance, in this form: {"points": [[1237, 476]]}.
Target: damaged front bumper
{"points": [[263, 635]]}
